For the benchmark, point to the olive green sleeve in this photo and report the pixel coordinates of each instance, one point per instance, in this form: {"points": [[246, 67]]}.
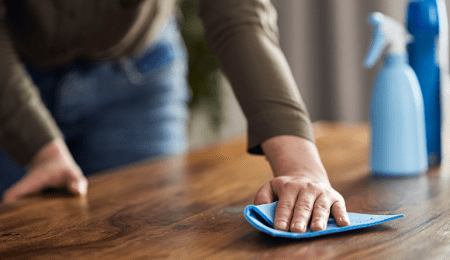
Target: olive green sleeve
{"points": [[244, 36], [25, 123]]}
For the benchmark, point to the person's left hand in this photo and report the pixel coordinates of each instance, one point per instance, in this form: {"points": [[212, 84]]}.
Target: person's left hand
{"points": [[301, 187]]}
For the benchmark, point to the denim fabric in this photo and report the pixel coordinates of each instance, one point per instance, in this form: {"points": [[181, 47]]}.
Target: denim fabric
{"points": [[114, 113]]}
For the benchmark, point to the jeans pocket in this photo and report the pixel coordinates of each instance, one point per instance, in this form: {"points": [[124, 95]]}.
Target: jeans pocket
{"points": [[158, 55]]}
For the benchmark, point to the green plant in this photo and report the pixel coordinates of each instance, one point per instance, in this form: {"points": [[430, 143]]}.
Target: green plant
{"points": [[204, 72]]}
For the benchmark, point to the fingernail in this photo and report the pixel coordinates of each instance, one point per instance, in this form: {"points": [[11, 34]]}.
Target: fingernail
{"points": [[82, 188], [282, 225], [300, 227], [345, 219], [318, 225]]}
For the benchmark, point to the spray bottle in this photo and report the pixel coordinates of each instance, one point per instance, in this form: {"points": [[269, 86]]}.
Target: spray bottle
{"points": [[423, 24], [398, 142], [428, 56]]}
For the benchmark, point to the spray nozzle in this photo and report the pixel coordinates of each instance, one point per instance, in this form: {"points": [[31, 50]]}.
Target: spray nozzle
{"points": [[386, 31]]}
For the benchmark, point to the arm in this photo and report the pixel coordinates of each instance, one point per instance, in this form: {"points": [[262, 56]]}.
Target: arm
{"points": [[243, 35], [28, 133]]}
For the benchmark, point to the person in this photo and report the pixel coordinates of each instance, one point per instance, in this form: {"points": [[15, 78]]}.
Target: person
{"points": [[83, 83]]}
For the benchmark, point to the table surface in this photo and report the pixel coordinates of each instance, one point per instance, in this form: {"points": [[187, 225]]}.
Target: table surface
{"points": [[191, 207]]}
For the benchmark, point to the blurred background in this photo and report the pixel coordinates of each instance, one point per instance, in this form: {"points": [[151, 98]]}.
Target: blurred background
{"points": [[325, 43]]}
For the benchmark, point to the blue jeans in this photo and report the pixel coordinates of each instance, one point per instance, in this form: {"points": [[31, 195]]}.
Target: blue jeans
{"points": [[114, 113]]}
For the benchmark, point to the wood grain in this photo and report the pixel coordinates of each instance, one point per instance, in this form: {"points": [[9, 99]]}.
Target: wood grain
{"points": [[190, 207]]}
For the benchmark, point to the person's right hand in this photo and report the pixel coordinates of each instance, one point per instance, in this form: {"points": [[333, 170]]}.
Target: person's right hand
{"points": [[52, 167], [301, 186]]}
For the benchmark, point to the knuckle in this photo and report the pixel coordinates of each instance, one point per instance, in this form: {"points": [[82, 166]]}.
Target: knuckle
{"points": [[263, 189], [285, 205], [322, 207], [260, 199], [289, 186], [339, 205], [327, 195], [257, 199], [52, 178], [340, 199], [277, 182], [303, 206], [311, 187]]}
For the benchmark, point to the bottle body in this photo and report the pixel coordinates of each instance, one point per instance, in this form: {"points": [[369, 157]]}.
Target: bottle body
{"points": [[424, 26], [398, 144]]}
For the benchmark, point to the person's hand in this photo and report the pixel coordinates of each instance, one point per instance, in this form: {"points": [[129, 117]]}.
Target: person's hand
{"points": [[52, 167], [301, 187]]}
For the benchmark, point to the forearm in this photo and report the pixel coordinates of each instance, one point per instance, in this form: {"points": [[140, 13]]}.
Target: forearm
{"points": [[243, 35], [53, 149], [25, 123]]}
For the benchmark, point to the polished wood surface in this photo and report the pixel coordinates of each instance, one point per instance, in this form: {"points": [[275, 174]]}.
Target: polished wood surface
{"points": [[191, 207]]}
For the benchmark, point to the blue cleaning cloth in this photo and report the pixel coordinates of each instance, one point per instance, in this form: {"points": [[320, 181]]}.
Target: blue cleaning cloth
{"points": [[262, 216]]}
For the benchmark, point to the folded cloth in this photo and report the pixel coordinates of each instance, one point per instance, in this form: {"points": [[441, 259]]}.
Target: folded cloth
{"points": [[262, 216]]}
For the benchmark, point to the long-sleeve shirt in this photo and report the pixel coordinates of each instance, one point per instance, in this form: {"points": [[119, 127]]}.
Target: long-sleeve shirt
{"points": [[243, 34]]}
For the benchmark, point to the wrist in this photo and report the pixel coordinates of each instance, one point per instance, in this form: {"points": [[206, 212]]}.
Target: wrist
{"points": [[53, 149], [293, 155]]}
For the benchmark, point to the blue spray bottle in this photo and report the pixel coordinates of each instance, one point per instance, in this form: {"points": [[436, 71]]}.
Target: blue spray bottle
{"points": [[398, 145], [423, 24]]}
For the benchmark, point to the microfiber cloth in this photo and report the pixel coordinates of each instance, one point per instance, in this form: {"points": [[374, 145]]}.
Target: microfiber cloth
{"points": [[262, 216]]}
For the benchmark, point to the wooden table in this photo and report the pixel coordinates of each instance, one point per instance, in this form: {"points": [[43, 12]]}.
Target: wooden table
{"points": [[191, 207]]}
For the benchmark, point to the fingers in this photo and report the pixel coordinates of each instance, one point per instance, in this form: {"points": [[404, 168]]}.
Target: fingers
{"points": [[318, 212], [302, 213], [32, 182], [264, 195], [78, 184], [339, 213], [285, 207], [37, 180], [321, 213], [300, 203]]}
